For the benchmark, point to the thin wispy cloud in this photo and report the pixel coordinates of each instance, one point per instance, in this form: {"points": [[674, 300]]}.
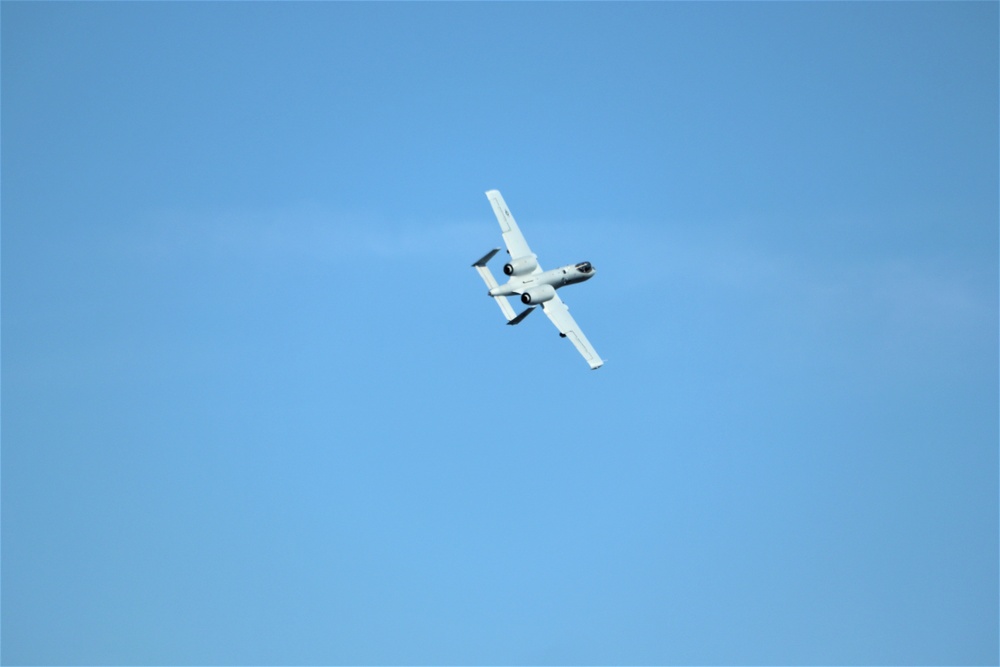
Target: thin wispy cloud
{"points": [[294, 233], [894, 304]]}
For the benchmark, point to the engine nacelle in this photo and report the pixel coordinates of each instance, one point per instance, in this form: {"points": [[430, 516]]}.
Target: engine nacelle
{"points": [[521, 266], [538, 294]]}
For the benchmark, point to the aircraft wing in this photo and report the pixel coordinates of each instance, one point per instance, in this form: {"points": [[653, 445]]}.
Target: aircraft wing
{"points": [[512, 236], [558, 312]]}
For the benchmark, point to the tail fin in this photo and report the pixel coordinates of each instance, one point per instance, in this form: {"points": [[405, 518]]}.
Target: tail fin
{"points": [[491, 282], [524, 314], [482, 261]]}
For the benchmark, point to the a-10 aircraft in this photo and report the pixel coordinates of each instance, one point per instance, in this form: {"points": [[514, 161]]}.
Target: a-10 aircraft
{"points": [[535, 286]]}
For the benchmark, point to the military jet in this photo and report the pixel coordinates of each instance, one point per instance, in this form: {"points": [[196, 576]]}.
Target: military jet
{"points": [[535, 286]]}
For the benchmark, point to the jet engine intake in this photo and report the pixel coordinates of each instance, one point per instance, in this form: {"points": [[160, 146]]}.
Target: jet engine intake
{"points": [[521, 266], [538, 294]]}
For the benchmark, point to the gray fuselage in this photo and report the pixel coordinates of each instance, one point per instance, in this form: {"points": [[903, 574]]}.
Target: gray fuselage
{"points": [[564, 275]]}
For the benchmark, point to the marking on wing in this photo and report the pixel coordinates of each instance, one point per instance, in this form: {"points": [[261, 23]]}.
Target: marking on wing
{"points": [[504, 216]]}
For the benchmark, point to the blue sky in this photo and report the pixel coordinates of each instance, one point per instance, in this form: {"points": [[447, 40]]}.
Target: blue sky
{"points": [[258, 410]]}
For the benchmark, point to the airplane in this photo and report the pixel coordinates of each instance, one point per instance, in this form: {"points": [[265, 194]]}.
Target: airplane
{"points": [[535, 286]]}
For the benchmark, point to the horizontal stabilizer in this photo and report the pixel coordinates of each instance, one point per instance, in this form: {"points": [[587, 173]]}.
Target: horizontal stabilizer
{"points": [[491, 282], [520, 317]]}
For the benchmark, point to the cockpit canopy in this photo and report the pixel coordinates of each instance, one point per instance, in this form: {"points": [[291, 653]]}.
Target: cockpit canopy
{"points": [[584, 267]]}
